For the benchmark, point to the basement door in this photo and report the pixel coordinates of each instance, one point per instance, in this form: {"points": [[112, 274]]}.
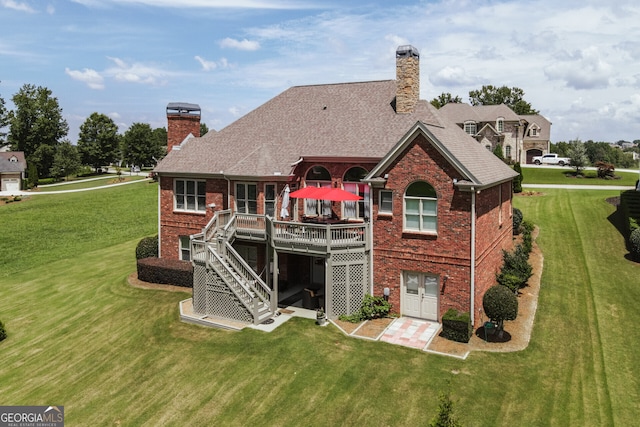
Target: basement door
{"points": [[420, 295]]}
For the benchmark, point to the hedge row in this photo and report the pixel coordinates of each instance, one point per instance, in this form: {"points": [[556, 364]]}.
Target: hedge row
{"points": [[166, 271]]}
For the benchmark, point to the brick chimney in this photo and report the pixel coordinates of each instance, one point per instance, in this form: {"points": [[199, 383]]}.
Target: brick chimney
{"points": [[182, 119], [407, 78]]}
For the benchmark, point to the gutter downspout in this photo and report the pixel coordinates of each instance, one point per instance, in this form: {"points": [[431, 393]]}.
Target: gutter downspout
{"points": [[473, 254], [370, 238], [159, 216]]}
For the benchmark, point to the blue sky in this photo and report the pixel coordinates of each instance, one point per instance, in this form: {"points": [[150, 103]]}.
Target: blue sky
{"points": [[578, 61]]}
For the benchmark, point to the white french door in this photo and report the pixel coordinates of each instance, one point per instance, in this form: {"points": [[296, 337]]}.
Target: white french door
{"points": [[420, 295]]}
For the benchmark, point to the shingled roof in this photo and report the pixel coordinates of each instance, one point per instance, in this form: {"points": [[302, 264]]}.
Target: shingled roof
{"points": [[7, 165], [348, 120]]}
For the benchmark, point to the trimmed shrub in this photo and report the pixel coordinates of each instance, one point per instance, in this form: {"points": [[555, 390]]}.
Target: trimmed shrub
{"points": [[517, 221], [500, 304], [3, 331], [147, 247], [634, 244], [456, 326], [166, 271], [516, 269], [371, 308], [517, 181]]}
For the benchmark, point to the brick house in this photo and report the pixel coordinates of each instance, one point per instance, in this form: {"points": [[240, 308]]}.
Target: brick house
{"points": [[427, 231], [521, 137]]}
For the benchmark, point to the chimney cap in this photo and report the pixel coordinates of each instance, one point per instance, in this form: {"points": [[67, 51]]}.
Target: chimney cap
{"points": [[407, 51], [183, 107]]}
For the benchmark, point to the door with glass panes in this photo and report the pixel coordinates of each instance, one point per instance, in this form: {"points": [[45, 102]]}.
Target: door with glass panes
{"points": [[420, 295]]}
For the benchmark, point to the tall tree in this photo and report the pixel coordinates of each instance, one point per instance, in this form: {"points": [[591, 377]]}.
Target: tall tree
{"points": [[445, 98], [139, 147], [160, 138], [4, 121], [493, 95], [577, 153], [66, 160], [203, 129], [98, 141], [36, 125]]}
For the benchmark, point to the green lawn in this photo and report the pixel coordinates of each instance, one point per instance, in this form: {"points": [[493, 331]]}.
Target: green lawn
{"points": [[79, 336], [541, 175], [91, 183]]}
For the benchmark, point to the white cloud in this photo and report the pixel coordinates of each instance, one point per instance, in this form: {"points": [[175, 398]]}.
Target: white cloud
{"points": [[585, 69], [454, 76], [92, 78], [212, 65], [136, 73], [217, 4], [235, 111], [21, 7], [51, 10], [239, 44]]}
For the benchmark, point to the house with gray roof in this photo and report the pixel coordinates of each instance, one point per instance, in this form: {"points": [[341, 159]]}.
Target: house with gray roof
{"points": [[12, 170], [521, 137], [327, 193]]}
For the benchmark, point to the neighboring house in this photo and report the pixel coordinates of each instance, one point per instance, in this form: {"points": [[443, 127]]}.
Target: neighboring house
{"points": [[428, 231], [521, 136], [12, 170]]}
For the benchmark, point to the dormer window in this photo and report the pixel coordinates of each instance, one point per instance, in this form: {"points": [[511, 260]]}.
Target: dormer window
{"points": [[470, 128], [500, 124], [534, 130], [13, 159]]}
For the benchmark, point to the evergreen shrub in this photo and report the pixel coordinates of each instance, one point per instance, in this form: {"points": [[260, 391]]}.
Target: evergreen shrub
{"points": [[3, 331], [634, 244], [517, 221], [456, 326], [147, 247]]}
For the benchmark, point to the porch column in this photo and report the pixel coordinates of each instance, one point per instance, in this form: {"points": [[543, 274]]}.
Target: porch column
{"points": [[274, 281]]}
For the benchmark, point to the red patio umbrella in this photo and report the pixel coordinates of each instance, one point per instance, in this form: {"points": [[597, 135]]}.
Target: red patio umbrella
{"points": [[305, 193], [340, 195]]}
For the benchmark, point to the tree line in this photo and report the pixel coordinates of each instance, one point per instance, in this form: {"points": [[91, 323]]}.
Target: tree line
{"points": [[591, 152], [37, 128]]}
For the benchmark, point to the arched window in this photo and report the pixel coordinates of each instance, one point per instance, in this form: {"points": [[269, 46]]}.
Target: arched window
{"points": [[421, 208], [500, 124], [470, 128], [317, 176], [352, 184]]}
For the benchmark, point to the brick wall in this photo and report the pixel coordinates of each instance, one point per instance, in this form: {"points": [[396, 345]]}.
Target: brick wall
{"points": [[447, 254], [174, 224], [179, 126]]}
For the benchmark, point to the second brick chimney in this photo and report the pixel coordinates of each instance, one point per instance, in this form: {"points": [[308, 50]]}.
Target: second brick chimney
{"points": [[407, 78], [182, 119]]}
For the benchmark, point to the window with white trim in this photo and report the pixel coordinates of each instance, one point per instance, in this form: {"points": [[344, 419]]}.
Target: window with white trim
{"points": [[246, 198], [185, 248], [270, 200], [317, 176], [385, 205], [507, 152], [421, 208], [500, 124], [470, 128], [189, 195], [352, 184]]}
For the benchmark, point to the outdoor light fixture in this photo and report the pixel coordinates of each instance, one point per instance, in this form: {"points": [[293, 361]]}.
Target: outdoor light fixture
{"points": [[386, 292]]}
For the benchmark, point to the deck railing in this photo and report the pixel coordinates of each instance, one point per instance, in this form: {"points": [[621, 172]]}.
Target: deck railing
{"points": [[319, 237]]}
